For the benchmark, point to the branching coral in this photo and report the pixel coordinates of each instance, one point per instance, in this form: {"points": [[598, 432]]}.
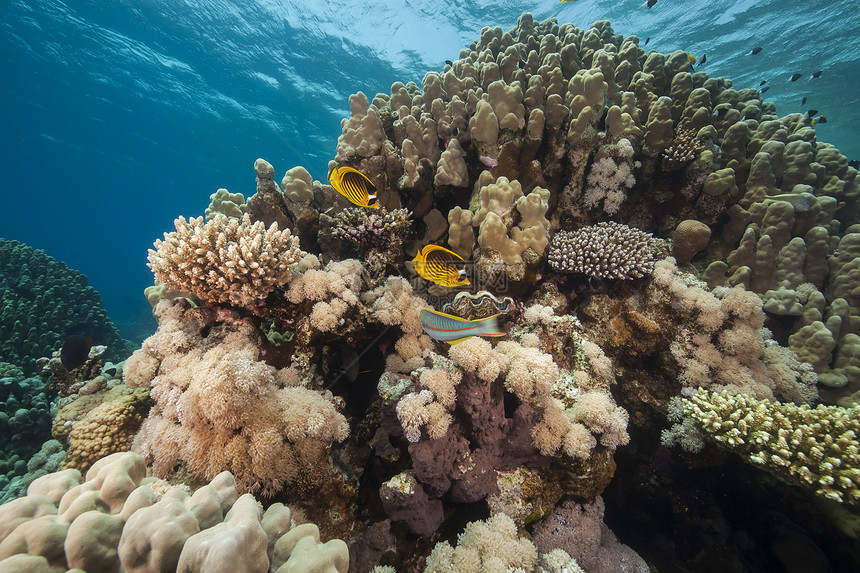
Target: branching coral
{"points": [[814, 447], [372, 230], [227, 261], [606, 250], [683, 149]]}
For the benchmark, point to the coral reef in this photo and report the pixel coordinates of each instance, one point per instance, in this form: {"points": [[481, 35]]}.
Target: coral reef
{"points": [[41, 302], [563, 165]]}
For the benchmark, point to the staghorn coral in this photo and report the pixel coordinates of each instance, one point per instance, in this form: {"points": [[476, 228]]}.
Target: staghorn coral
{"points": [[227, 261], [606, 250], [813, 447]]}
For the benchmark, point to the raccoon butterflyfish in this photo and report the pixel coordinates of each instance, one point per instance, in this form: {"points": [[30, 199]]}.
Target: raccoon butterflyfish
{"points": [[441, 266], [692, 59], [821, 119], [354, 185], [75, 351], [454, 329]]}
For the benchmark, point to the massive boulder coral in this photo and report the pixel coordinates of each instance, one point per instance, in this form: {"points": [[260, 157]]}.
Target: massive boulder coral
{"points": [[116, 519], [222, 260]]}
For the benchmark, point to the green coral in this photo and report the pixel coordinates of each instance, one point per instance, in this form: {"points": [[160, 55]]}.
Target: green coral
{"points": [[814, 447]]}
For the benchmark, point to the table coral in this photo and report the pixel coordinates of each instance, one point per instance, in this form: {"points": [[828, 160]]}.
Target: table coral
{"points": [[230, 261], [813, 447]]}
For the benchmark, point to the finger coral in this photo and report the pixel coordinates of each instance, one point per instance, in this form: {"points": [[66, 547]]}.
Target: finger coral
{"points": [[225, 260]]}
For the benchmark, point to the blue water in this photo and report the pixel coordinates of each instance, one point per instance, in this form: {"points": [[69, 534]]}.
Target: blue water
{"points": [[118, 116]]}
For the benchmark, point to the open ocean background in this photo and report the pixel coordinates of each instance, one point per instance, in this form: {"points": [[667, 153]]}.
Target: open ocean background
{"points": [[118, 115]]}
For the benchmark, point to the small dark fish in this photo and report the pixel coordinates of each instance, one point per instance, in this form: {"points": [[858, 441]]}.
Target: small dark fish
{"points": [[795, 77], [349, 362], [855, 163], [649, 3], [704, 58], [803, 101], [75, 350], [449, 62], [521, 64], [455, 131], [816, 74], [755, 51], [764, 89], [648, 39], [762, 83], [721, 111], [812, 112]]}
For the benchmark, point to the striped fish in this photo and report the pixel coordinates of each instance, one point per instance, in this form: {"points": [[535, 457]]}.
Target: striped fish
{"points": [[454, 329], [354, 185], [443, 267]]}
